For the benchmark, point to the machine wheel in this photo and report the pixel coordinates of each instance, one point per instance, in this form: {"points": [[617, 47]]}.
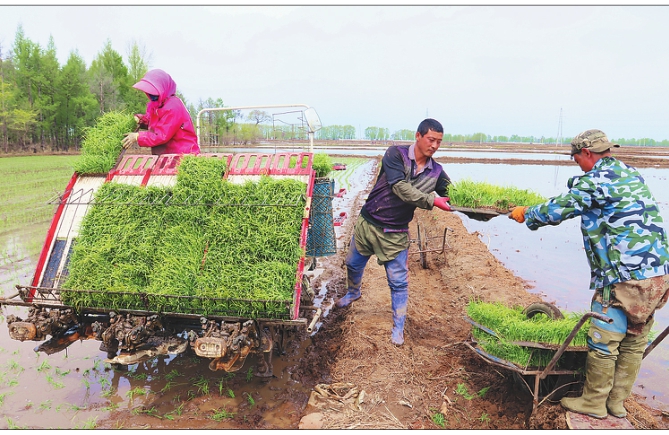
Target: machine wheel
{"points": [[422, 246], [544, 308]]}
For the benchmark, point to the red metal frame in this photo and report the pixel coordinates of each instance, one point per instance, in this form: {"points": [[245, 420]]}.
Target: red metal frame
{"points": [[50, 235]]}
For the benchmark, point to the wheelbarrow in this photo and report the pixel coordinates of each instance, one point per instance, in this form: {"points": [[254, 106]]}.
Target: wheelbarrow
{"points": [[547, 380], [544, 382], [423, 241]]}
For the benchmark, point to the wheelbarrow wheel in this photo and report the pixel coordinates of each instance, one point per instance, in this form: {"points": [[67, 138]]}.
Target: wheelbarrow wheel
{"points": [[422, 246], [544, 308]]}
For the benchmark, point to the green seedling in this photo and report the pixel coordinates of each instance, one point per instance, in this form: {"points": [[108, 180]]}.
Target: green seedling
{"points": [[172, 375], [138, 376], [473, 194], [12, 425], [483, 392], [54, 383], [14, 366], [510, 324], [110, 407], [44, 366], [222, 414], [202, 385], [2, 397], [137, 391], [104, 383], [250, 399], [168, 386], [60, 372], [462, 391], [91, 423], [438, 419], [101, 145], [222, 245]]}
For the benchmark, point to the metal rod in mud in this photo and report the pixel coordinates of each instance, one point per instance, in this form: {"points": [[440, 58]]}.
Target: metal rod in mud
{"points": [[314, 320]]}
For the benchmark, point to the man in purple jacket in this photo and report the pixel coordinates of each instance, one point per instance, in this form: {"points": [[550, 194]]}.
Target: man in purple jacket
{"points": [[409, 178], [169, 127]]}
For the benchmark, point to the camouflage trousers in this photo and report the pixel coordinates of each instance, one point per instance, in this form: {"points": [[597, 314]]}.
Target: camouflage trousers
{"points": [[638, 299]]}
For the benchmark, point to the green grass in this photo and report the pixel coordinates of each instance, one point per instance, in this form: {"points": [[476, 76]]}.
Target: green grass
{"points": [[28, 185], [476, 194]]}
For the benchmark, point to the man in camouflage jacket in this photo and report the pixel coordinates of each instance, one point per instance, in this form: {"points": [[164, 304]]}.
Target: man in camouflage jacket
{"points": [[626, 246]]}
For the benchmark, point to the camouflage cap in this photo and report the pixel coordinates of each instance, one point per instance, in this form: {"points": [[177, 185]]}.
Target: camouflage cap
{"points": [[595, 140]]}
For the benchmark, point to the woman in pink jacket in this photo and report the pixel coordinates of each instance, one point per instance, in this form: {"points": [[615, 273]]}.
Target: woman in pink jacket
{"points": [[169, 128]]}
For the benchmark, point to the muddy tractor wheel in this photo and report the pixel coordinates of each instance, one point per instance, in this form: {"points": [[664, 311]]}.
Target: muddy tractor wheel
{"points": [[545, 308]]}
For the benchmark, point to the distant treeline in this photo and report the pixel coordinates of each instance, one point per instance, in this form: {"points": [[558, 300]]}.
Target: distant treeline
{"points": [[45, 106]]}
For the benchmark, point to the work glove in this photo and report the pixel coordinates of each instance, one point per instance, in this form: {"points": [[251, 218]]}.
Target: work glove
{"points": [[518, 214], [129, 140], [442, 203]]}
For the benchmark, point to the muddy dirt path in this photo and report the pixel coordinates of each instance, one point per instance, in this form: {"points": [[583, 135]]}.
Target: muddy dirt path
{"points": [[434, 372]]}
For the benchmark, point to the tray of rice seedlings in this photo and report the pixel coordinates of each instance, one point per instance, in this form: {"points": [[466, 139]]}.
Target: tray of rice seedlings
{"points": [[482, 201], [507, 333], [205, 246], [322, 164], [101, 146]]}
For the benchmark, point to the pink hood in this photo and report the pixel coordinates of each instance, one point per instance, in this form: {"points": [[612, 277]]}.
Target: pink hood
{"points": [[170, 128], [157, 82]]}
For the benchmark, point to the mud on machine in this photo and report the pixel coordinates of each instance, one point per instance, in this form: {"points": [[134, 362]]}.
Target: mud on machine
{"points": [[134, 327]]}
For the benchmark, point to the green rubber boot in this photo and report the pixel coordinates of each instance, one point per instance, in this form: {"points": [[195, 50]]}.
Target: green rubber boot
{"points": [[599, 372], [627, 369]]}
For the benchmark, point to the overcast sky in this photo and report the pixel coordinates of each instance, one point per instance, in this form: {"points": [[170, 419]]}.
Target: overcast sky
{"points": [[500, 70]]}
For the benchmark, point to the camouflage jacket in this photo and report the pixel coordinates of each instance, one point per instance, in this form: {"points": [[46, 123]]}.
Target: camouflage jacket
{"points": [[621, 224]]}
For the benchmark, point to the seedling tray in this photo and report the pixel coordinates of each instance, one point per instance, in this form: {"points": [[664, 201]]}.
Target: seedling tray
{"points": [[145, 170]]}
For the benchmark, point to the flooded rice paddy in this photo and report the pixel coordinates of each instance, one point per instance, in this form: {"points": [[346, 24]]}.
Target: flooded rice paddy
{"points": [[76, 389]]}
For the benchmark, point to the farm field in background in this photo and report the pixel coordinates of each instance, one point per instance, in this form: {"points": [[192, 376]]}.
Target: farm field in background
{"points": [[28, 183]]}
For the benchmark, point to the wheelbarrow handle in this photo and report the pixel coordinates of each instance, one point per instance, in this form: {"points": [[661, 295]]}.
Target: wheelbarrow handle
{"points": [[655, 342], [571, 336]]}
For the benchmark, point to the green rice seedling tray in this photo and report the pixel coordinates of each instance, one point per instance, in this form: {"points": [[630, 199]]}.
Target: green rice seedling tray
{"points": [[263, 278]]}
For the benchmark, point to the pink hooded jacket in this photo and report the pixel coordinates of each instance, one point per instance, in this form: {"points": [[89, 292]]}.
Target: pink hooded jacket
{"points": [[170, 128]]}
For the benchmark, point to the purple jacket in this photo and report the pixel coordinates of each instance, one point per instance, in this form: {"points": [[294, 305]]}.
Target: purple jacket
{"points": [[170, 128], [386, 210]]}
